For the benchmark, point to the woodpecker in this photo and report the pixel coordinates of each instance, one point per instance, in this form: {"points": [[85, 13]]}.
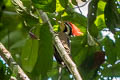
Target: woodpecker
{"points": [[67, 29]]}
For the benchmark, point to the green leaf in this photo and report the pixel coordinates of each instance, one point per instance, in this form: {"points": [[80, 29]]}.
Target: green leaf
{"points": [[76, 18], [63, 3], [5, 72], [87, 69], [45, 5], [112, 16], [74, 2], [117, 46], [92, 10], [100, 22], [1, 2], [13, 38], [79, 19], [30, 53], [110, 50], [54, 70], [91, 40], [45, 55], [79, 51], [83, 55], [18, 44], [113, 71], [101, 5], [58, 6], [30, 20]]}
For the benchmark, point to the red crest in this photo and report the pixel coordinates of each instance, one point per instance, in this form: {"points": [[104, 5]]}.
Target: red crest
{"points": [[75, 31]]}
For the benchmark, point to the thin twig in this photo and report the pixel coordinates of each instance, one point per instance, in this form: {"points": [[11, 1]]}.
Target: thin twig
{"points": [[6, 55], [13, 78], [60, 72], [79, 8], [82, 5]]}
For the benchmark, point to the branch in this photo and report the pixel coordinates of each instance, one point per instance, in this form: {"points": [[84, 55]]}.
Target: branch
{"points": [[64, 55], [6, 55]]}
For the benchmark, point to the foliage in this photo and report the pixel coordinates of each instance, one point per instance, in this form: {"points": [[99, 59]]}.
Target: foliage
{"points": [[5, 72], [93, 52]]}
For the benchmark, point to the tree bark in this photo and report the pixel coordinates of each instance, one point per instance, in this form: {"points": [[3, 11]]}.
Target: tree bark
{"points": [[6, 55]]}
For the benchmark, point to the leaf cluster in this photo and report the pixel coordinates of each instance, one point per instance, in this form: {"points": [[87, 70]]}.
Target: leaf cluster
{"points": [[90, 52]]}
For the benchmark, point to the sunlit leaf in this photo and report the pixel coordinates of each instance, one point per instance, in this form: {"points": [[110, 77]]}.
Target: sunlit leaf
{"points": [[58, 6], [101, 5], [100, 22]]}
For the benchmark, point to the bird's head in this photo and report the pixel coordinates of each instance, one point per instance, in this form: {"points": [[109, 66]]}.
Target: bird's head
{"points": [[70, 29]]}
